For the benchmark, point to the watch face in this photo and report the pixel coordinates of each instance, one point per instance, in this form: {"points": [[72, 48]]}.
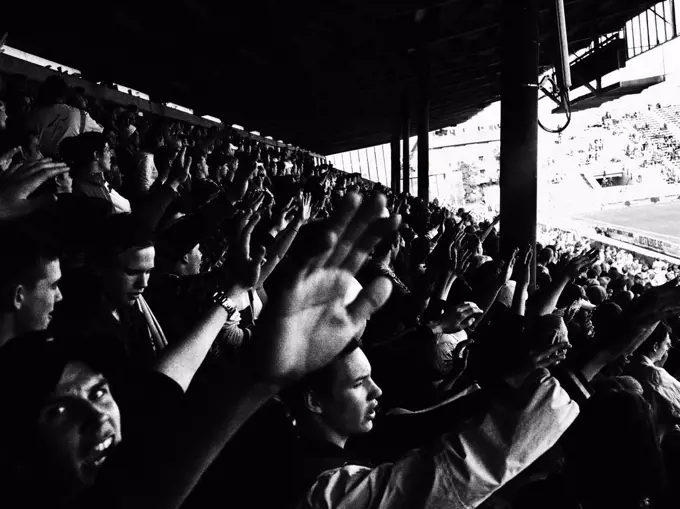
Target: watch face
{"points": [[229, 306]]}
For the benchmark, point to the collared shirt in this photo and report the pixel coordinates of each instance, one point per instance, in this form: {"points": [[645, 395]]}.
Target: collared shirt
{"points": [[464, 469], [92, 185], [95, 185]]}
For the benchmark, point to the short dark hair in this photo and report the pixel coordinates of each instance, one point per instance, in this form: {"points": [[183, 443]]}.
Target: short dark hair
{"points": [[319, 382], [545, 255], [79, 150], [54, 89], [655, 338], [22, 258], [571, 293], [119, 234], [151, 137]]}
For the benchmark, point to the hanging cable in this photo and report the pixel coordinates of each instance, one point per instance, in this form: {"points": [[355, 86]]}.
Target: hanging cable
{"points": [[561, 98]]}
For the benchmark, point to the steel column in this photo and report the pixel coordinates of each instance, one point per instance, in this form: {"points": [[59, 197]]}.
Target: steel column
{"points": [[405, 135], [423, 126], [519, 126], [394, 156]]}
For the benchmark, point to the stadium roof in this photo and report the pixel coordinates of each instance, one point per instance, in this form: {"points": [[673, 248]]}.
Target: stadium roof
{"points": [[326, 75]]}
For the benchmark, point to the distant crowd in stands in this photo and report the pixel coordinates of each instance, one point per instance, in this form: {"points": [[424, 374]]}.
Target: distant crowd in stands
{"points": [[629, 143], [194, 320], [644, 270]]}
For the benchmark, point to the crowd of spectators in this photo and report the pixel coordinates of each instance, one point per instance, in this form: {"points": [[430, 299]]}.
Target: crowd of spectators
{"points": [[646, 270], [266, 332], [626, 144]]}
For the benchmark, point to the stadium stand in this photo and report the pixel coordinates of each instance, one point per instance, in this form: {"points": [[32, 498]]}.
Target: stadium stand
{"points": [[195, 317]]}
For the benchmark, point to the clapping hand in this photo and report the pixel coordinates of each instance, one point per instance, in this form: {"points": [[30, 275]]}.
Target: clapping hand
{"points": [[19, 181], [309, 322], [7, 157], [180, 169]]}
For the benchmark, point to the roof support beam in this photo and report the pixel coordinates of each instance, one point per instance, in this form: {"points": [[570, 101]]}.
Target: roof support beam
{"points": [[406, 134], [519, 126], [423, 126]]}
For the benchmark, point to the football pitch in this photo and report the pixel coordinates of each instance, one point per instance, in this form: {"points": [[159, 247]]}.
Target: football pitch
{"points": [[658, 220]]}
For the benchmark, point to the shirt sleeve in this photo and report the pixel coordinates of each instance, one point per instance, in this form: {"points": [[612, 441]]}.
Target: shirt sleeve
{"points": [[91, 125], [464, 469], [145, 174]]}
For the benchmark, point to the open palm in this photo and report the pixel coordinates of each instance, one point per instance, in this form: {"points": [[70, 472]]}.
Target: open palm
{"points": [[317, 314], [19, 181], [313, 324]]}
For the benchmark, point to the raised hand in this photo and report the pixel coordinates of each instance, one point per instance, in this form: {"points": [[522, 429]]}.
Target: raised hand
{"points": [[18, 182], [507, 267], [242, 267], [635, 326], [459, 362], [256, 202], [306, 210], [316, 208], [524, 274], [285, 215], [460, 261], [548, 356], [459, 235], [181, 167], [543, 358], [310, 321], [239, 186], [457, 264], [577, 264], [658, 303], [458, 318]]}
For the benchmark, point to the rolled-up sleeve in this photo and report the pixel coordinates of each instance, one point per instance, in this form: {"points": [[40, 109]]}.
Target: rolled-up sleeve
{"points": [[464, 468]]}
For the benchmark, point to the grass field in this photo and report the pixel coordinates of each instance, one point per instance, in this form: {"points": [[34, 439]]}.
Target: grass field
{"points": [[656, 220]]}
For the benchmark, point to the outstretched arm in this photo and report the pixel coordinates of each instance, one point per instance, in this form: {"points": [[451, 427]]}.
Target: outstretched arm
{"points": [[465, 467], [488, 231], [658, 303], [182, 360], [519, 299], [303, 328], [546, 303]]}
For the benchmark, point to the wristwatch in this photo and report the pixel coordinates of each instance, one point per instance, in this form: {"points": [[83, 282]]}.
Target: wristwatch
{"points": [[221, 298]]}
